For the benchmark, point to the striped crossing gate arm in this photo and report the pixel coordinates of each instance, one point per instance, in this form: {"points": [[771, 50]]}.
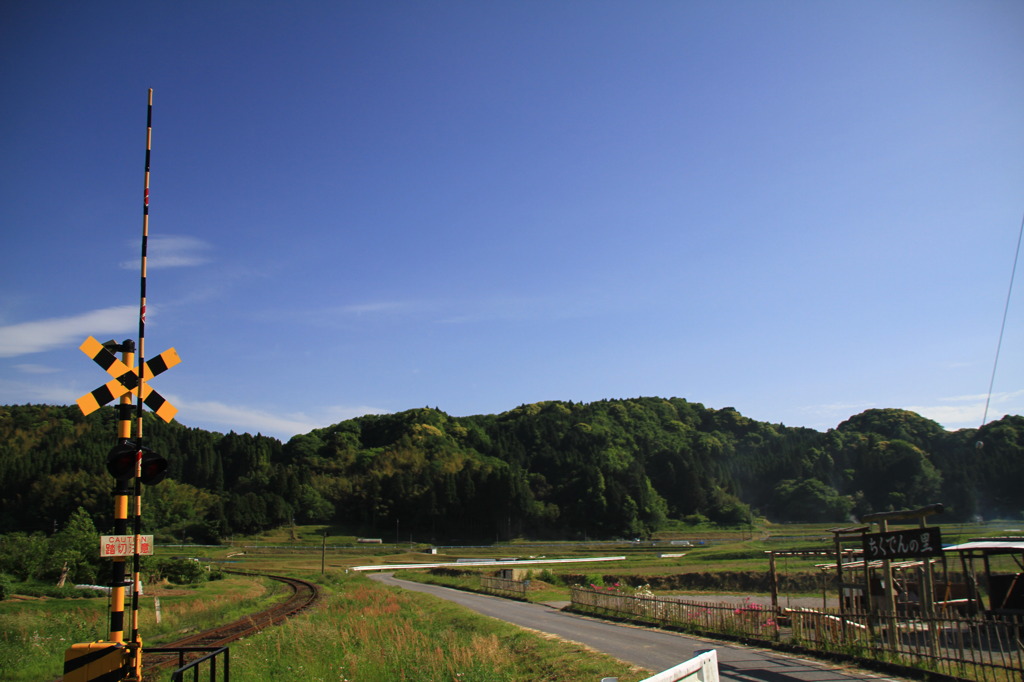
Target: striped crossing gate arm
{"points": [[96, 662]]}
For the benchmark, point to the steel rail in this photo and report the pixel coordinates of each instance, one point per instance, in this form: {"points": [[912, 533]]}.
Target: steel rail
{"points": [[304, 595]]}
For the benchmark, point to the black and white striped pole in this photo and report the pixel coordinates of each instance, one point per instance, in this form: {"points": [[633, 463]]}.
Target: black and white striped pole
{"points": [[118, 659], [136, 554]]}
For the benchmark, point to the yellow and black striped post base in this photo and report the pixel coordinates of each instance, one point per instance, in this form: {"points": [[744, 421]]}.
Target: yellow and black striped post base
{"points": [[96, 662]]}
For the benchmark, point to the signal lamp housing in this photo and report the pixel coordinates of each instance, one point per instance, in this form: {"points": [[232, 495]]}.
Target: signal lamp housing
{"points": [[121, 464]]}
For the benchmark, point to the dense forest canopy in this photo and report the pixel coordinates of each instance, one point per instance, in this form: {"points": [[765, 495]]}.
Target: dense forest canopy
{"points": [[614, 468]]}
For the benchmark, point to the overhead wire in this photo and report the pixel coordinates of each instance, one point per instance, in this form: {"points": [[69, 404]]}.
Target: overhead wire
{"points": [[1002, 327]]}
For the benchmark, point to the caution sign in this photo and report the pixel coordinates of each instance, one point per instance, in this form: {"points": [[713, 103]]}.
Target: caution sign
{"points": [[124, 545], [126, 380]]}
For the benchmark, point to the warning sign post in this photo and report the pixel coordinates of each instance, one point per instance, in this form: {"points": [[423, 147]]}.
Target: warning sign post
{"points": [[124, 545]]}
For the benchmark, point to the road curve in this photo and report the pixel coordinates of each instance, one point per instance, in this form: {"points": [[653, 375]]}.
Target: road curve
{"points": [[654, 650]]}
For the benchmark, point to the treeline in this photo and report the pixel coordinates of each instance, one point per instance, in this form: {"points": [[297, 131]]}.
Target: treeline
{"points": [[615, 468]]}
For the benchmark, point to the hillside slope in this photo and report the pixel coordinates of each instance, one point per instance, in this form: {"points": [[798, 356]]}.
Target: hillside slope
{"points": [[613, 468]]}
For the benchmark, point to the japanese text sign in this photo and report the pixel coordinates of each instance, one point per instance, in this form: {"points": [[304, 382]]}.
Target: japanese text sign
{"points": [[124, 545], [903, 544]]}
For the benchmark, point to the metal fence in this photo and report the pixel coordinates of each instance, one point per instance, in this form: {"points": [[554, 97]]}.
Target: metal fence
{"points": [[193, 671], [984, 649]]}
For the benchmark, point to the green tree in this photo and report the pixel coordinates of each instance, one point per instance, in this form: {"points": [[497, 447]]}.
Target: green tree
{"points": [[809, 500], [74, 551], [24, 556]]}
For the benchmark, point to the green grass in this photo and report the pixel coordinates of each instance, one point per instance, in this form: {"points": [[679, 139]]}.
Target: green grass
{"points": [[34, 633], [361, 631], [361, 622], [188, 609], [369, 632]]}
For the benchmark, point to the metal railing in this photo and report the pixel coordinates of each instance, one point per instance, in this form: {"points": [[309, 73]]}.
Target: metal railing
{"points": [[984, 648], [209, 657]]}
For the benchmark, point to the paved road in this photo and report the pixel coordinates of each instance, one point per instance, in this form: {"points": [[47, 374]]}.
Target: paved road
{"points": [[654, 650]]}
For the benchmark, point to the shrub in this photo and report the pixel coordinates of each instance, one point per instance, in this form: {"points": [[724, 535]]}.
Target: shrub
{"points": [[547, 576], [179, 570]]}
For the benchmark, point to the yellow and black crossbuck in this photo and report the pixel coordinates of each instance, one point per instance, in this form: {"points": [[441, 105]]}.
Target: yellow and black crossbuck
{"points": [[126, 380]]}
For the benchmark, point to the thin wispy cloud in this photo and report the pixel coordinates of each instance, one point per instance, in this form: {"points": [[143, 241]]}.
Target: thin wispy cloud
{"points": [[981, 397], [332, 316], [172, 252], [555, 306], [339, 413], [240, 418], [42, 335], [32, 368], [968, 411], [828, 416], [952, 416], [16, 392], [375, 307], [953, 412], [457, 311]]}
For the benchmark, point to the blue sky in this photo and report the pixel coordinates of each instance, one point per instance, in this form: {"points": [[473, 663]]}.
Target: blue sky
{"points": [[799, 209]]}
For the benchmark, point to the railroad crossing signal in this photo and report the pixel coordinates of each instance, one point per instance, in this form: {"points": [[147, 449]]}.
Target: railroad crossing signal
{"points": [[126, 380], [124, 459]]}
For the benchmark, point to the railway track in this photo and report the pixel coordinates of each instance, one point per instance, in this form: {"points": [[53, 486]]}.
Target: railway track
{"points": [[303, 595]]}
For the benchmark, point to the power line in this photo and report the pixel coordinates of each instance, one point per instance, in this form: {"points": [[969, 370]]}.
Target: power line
{"points": [[1002, 328]]}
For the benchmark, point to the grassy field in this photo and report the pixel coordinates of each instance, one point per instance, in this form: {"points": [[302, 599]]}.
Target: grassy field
{"points": [[360, 631], [365, 631], [34, 632]]}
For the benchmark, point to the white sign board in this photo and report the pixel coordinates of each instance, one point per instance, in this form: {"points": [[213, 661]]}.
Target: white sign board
{"points": [[124, 545]]}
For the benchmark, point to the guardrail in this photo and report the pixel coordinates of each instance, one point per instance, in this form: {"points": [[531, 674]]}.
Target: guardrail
{"points": [[486, 562], [701, 668]]}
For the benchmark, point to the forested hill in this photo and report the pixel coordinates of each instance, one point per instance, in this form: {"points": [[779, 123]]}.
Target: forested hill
{"points": [[615, 468]]}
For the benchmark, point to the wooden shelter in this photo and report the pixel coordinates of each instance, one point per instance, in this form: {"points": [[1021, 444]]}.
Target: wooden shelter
{"points": [[1005, 590]]}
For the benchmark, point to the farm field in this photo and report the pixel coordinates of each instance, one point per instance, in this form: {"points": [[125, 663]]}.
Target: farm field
{"points": [[711, 551], [35, 631]]}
